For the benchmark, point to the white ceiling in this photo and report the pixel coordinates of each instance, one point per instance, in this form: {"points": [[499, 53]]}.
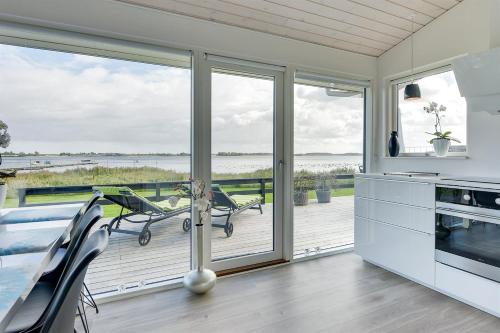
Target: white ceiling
{"points": [[363, 26]]}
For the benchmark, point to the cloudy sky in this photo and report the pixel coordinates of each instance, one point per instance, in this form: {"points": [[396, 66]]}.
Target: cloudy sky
{"points": [[327, 124], [55, 102], [442, 89]]}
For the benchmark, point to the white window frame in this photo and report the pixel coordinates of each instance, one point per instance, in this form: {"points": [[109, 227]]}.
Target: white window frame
{"points": [[394, 112]]}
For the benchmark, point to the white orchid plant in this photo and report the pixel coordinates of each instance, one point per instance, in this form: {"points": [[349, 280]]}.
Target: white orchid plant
{"points": [[202, 199], [438, 115]]}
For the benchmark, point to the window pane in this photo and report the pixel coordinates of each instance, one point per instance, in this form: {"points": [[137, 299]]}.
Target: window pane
{"points": [[328, 148], [414, 122], [242, 164], [85, 120]]}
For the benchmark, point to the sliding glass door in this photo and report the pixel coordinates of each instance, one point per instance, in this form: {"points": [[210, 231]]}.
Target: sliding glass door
{"points": [[328, 151], [246, 175]]}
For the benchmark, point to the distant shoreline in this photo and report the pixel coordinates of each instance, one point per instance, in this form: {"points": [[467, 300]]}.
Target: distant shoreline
{"points": [[223, 154]]}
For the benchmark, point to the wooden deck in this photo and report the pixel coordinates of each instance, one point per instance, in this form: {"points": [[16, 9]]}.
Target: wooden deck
{"points": [[126, 265]]}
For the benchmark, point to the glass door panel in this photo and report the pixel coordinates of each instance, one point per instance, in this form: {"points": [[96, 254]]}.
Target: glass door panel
{"points": [[243, 160], [328, 151]]}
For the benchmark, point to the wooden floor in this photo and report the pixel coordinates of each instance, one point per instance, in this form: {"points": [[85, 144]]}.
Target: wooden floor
{"points": [[339, 293], [125, 265]]}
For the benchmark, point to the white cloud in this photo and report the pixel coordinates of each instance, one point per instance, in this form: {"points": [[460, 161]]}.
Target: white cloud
{"points": [[98, 105], [57, 102], [327, 124]]}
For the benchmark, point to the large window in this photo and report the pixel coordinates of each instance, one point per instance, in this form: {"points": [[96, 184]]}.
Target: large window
{"points": [[412, 122], [87, 120]]}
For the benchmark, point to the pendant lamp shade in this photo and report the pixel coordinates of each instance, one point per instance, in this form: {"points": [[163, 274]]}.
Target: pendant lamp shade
{"points": [[412, 91]]}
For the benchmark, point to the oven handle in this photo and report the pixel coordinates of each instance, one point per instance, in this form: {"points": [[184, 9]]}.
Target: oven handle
{"points": [[467, 215]]}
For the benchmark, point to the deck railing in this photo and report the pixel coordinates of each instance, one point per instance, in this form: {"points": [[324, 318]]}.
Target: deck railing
{"points": [[260, 185]]}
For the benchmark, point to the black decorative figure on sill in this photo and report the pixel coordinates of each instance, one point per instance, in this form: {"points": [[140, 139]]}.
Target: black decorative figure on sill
{"points": [[393, 145]]}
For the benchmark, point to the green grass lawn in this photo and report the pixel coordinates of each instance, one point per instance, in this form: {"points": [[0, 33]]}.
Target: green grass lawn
{"points": [[114, 210], [102, 175]]}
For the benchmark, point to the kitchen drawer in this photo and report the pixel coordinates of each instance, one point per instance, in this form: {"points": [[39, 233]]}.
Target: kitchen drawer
{"points": [[411, 217], [469, 288], [404, 192], [407, 252]]}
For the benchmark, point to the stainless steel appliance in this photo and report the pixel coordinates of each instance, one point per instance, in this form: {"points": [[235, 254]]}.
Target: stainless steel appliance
{"points": [[468, 229]]}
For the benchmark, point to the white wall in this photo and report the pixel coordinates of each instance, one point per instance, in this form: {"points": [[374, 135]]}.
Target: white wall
{"points": [[115, 19], [464, 29]]}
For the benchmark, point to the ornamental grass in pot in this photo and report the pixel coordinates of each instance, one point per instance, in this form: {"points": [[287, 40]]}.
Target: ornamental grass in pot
{"points": [[324, 184], [302, 184]]}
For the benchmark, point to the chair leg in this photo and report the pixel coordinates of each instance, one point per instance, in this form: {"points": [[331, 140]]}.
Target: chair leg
{"points": [[260, 208], [88, 298], [83, 315]]}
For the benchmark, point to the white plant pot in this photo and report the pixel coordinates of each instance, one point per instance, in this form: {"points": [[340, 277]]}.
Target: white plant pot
{"points": [[3, 194], [441, 146]]}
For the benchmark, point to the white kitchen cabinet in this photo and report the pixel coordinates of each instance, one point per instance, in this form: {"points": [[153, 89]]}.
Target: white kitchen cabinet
{"points": [[404, 251], [394, 227], [411, 217], [411, 193], [469, 288]]}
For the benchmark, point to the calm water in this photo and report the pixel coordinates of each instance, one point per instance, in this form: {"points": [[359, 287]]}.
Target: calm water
{"points": [[220, 164]]}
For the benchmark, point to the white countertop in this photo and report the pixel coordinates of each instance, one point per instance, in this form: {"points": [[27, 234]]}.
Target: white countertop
{"points": [[442, 179]]}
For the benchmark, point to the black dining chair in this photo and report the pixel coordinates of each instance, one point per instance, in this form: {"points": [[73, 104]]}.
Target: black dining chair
{"points": [[59, 314], [40, 297], [60, 259]]}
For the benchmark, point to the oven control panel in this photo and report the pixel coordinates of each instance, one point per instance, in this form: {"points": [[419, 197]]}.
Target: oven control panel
{"points": [[468, 197]]}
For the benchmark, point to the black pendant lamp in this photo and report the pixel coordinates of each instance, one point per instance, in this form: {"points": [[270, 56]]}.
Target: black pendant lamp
{"points": [[412, 90]]}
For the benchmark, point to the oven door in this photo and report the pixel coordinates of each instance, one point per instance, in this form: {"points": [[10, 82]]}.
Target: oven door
{"points": [[469, 241]]}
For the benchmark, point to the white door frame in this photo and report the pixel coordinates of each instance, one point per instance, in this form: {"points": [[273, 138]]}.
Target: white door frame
{"points": [[203, 65]]}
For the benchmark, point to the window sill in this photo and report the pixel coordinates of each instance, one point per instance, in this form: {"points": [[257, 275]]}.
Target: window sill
{"points": [[450, 157]]}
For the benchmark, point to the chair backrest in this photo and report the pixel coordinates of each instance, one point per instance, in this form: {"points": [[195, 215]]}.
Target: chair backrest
{"points": [[127, 198], [96, 195], [81, 230], [60, 314], [221, 198]]}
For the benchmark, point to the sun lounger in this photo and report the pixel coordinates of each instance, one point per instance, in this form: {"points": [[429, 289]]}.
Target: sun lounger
{"points": [[137, 209], [226, 205]]}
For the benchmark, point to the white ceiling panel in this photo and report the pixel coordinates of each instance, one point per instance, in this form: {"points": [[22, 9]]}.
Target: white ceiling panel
{"points": [[368, 27]]}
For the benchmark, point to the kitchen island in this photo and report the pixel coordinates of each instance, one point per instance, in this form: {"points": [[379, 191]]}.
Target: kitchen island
{"points": [[395, 223]]}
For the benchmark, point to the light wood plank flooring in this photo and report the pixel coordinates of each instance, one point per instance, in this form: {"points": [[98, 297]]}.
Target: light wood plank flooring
{"points": [[340, 293]]}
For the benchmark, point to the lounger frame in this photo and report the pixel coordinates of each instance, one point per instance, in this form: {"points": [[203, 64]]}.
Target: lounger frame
{"points": [[150, 215]]}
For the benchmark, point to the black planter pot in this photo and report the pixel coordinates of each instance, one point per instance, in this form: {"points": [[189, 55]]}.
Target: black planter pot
{"points": [[393, 145]]}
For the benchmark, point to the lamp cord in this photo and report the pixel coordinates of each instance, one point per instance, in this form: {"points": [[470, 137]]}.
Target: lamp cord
{"points": [[412, 51]]}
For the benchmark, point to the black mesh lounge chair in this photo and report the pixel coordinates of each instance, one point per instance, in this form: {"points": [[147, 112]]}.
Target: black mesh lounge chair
{"points": [[226, 205], [137, 209]]}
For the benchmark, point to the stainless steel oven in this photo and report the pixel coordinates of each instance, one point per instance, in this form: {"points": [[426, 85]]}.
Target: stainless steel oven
{"points": [[468, 229]]}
